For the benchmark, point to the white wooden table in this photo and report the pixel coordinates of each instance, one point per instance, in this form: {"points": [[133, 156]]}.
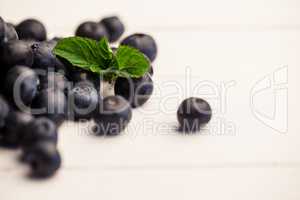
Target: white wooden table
{"points": [[242, 56]]}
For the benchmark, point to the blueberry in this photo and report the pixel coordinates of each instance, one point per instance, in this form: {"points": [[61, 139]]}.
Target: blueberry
{"points": [[31, 29], [91, 30], [193, 113], [83, 99], [43, 56], [52, 104], [16, 53], [44, 159], [55, 81], [144, 43], [79, 75], [137, 90], [115, 28], [21, 85], [14, 128], [38, 130], [4, 110], [2, 30], [10, 33], [114, 115]]}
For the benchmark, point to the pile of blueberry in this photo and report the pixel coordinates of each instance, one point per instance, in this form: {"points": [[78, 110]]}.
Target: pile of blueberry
{"points": [[39, 91]]}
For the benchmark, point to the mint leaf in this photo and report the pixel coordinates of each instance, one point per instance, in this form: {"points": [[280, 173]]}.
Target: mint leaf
{"points": [[131, 62], [98, 57], [85, 53], [105, 49]]}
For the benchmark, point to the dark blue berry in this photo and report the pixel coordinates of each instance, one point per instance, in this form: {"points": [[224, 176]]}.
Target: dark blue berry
{"points": [[113, 116], [193, 113], [143, 42], [83, 101], [31, 29], [21, 85], [39, 130], [43, 158], [14, 128], [115, 28], [16, 53], [137, 90], [53, 104], [91, 30]]}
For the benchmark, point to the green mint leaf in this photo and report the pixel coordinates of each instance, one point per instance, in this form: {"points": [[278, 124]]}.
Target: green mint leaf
{"points": [[131, 62], [98, 57], [106, 51], [85, 53]]}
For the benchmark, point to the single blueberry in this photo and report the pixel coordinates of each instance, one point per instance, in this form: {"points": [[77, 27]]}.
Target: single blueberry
{"points": [[115, 28], [31, 29], [39, 129], [91, 30], [136, 90], [113, 116], [50, 103], [193, 113], [83, 101], [43, 158], [14, 128], [16, 52], [143, 42], [21, 85]]}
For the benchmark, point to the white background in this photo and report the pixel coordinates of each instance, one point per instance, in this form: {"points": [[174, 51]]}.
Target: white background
{"points": [[220, 42]]}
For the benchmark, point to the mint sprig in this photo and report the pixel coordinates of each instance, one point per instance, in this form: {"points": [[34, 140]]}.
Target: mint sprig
{"points": [[97, 57]]}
